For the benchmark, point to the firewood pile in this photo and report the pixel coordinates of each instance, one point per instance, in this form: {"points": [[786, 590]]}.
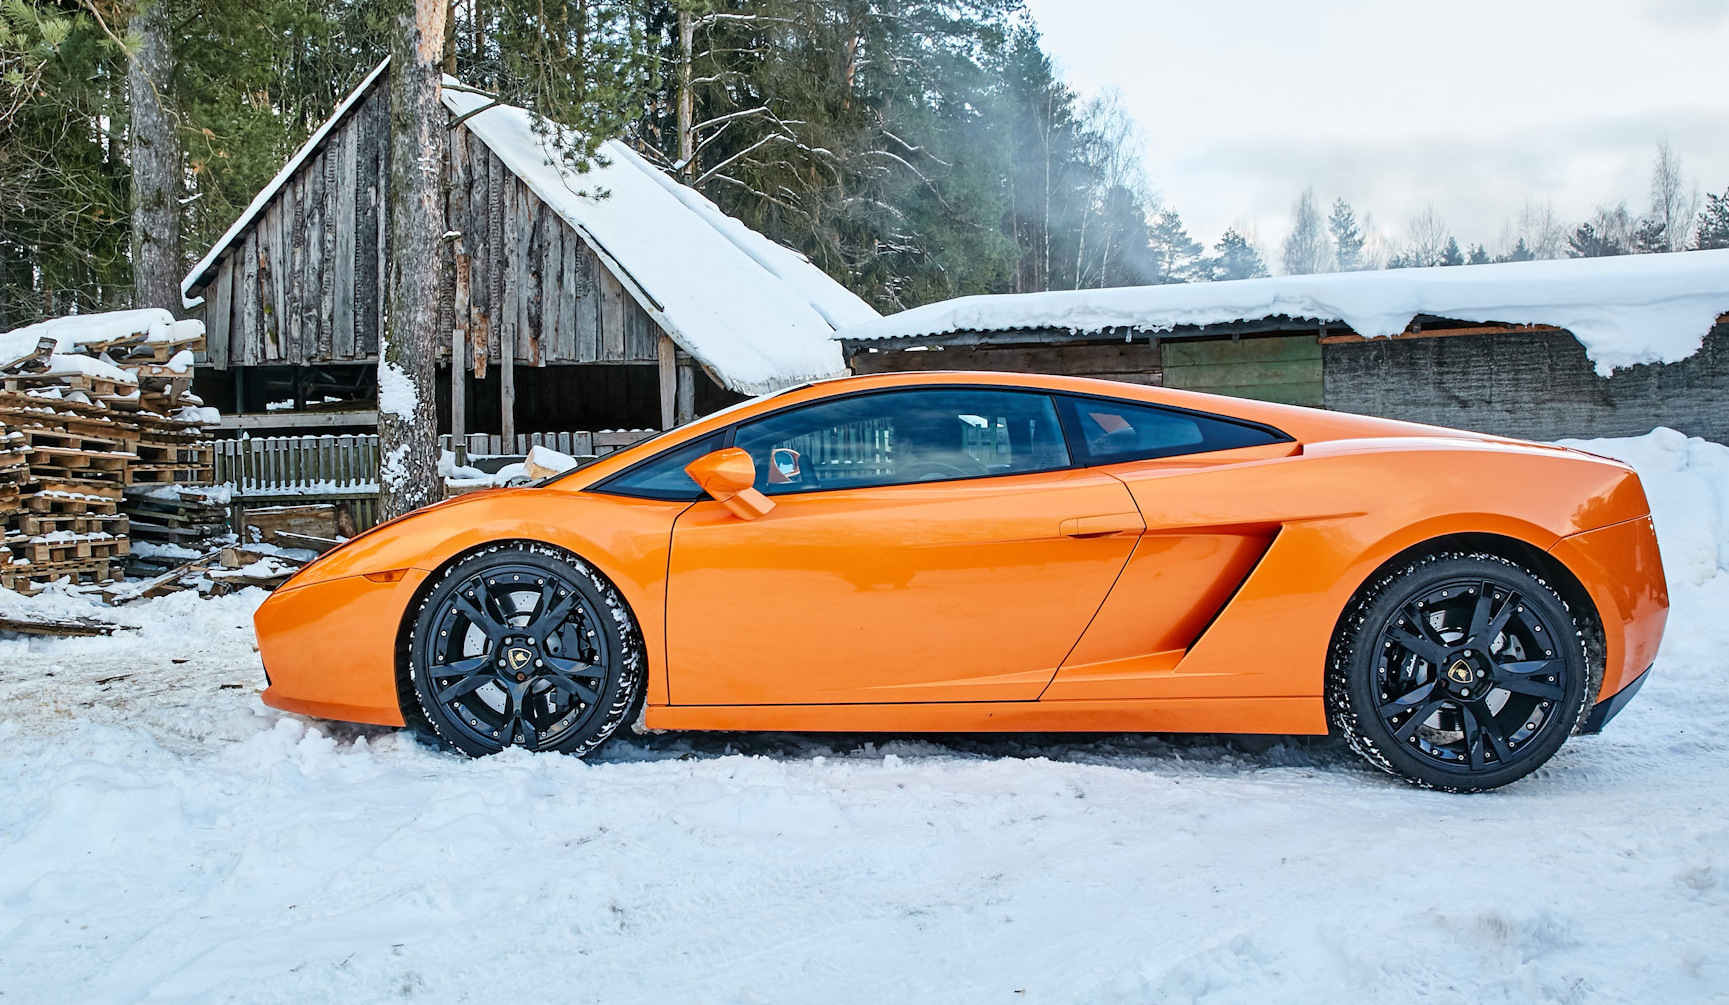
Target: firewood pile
{"points": [[96, 414]]}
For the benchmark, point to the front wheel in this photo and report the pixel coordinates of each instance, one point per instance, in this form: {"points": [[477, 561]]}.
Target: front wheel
{"points": [[1459, 672], [523, 645]]}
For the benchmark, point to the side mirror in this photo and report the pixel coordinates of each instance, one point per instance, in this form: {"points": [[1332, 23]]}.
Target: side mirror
{"points": [[783, 466], [729, 476]]}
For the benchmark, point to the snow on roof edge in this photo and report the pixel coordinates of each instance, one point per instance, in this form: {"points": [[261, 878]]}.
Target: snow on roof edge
{"points": [[1625, 310], [269, 191]]}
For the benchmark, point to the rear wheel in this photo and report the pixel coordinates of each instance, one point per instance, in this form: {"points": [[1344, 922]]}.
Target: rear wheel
{"points": [[1460, 671], [524, 645]]}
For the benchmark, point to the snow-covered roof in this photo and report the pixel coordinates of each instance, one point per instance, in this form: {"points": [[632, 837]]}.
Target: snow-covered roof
{"points": [[1624, 310], [757, 315]]}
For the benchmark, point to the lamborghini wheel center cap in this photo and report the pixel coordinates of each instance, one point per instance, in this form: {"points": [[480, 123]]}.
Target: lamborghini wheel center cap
{"points": [[518, 658], [1460, 672]]}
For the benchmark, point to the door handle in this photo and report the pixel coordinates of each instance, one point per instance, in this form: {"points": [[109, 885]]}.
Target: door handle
{"points": [[1098, 526]]}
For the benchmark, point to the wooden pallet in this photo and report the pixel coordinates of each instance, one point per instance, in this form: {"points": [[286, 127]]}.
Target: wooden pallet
{"points": [[80, 435], [85, 549], [37, 524], [27, 577], [193, 453], [96, 387], [169, 474], [58, 500]]}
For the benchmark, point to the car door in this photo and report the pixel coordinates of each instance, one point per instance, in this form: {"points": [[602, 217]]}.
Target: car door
{"points": [[925, 545]]}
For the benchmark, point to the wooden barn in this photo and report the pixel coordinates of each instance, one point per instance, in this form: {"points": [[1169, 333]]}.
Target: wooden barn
{"points": [[1537, 350], [609, 299]]}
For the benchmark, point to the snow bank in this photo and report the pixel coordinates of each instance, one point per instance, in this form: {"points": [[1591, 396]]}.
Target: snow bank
{"points": [[1624, 310], [168, 838], [1687, 481]]}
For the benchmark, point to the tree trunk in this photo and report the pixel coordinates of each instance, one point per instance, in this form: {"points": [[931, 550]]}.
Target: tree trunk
{"points": [[156, 172], [686, 100], [407, 425]]}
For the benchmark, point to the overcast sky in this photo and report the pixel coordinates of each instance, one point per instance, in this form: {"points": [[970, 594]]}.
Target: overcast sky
{"points": [[1474, 106]]}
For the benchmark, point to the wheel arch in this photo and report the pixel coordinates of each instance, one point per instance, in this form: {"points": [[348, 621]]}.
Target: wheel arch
{"points": [[401, 671], [1551, 569]]}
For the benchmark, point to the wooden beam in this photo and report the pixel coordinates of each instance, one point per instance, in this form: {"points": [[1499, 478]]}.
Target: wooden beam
{"points": [[668, 382], [298, 420], [342, 276], [458, 346], [686, 408], [1442, 332], [510, 313]]}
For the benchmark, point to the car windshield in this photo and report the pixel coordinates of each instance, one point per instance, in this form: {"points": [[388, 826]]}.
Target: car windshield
{"points": [[653, 442]]}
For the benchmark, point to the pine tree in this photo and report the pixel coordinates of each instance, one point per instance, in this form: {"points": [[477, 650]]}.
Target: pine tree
{"points": [[1175, 255], [1479, 255], [1347, 236], [1235, 258], [1713, 228], [1519, 253], [1609, 232], [1450, 255], [1650, 236], [1307, 248]]}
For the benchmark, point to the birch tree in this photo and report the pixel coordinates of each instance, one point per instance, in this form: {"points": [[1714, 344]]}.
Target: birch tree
{"points": [[407, 429], [1674, 202], [1308, 249]]}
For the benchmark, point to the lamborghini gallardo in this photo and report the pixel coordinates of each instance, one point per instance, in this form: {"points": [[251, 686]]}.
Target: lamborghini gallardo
{"points": [[964, 552]]}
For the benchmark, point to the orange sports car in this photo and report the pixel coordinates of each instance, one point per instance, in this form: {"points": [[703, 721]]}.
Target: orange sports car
{"points": [[994, 551]]}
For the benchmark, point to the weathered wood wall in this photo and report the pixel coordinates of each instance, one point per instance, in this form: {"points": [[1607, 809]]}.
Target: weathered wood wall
{"points": [[1533, 386], [307, 282], [1282, 368], [1136, 362]]}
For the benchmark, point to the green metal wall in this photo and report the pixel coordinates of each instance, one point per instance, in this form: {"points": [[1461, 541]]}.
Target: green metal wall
{"points": [[1283, 368]]}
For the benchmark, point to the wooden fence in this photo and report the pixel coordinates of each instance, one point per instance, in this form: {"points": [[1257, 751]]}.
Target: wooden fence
{"points": [[289, 470]]}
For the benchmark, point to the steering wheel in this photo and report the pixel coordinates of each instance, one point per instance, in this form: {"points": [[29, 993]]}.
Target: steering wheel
{"points": [[930, 470]]}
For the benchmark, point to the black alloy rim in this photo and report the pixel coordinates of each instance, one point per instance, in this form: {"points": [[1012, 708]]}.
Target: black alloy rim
{"points": [[1470, 676], [516, 657]]}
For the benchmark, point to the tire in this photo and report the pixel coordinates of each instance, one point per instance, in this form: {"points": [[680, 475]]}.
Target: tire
{"points": [[522, 644], [1429, 682]]}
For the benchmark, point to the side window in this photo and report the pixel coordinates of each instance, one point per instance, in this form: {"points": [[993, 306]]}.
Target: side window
{"points": [[662, 476], [897, 437], [1111, 431]]}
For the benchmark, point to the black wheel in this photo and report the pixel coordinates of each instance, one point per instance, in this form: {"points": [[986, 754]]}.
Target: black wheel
{"points": [[524, 645], [1459, 672]]}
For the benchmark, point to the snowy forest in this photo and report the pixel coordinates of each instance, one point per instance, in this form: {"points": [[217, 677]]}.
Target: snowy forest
{"points": [[915, 149]]}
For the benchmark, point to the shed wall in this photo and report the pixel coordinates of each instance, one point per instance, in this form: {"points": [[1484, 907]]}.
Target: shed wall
{"points": [[307, 284], [1532, 386]]}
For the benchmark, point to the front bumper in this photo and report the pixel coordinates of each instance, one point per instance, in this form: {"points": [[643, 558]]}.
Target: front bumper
{"points": [[329, 648]]}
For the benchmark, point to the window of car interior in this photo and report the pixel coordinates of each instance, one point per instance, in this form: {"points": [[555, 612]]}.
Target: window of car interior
{"points": [[1109, 431], [904, 436], [662, 476]]}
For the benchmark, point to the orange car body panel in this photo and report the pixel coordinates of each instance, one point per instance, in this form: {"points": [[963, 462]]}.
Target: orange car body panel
{"points": [[857, 592], [1046, 608]]}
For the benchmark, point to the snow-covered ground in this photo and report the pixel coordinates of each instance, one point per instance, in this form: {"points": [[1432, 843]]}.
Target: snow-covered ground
{"points": [[163, 836]]}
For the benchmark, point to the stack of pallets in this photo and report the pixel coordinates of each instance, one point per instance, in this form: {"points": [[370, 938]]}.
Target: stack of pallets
{"points": [[95, 413]]}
